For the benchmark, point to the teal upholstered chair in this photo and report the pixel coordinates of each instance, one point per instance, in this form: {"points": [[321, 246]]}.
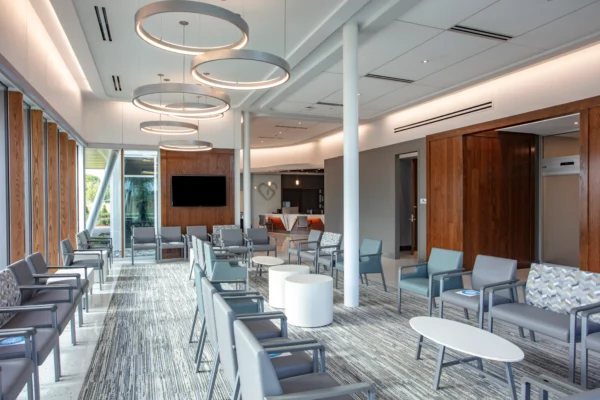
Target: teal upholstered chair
{"points": [[425, 279], [370, 261], [223, 270]]}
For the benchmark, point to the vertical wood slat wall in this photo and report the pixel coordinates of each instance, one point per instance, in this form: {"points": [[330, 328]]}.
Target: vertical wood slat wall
{"points": [[16, 148], [53, 208], [63, 174], [38, 194], [72, 178]]}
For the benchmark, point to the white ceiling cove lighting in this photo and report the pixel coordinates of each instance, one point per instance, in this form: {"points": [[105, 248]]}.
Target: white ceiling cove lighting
{"points": [[182, 89], [185, 145], [168, 127], [194, 106], [182, 6], [247, 55]]}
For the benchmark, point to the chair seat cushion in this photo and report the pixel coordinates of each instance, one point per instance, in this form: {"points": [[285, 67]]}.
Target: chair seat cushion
{"points": [[325, 260], [263, 329], [238, 249], [418, 286], [590, 395], [15, 375], [144, 246], [546, 322], [45, 341], [244, 306], [470, 302], [64, 313], [308, 382], [54, 297], [88, 262], [264, 247], [172, 245], [294, 364], [310, 254], [593, 341]]}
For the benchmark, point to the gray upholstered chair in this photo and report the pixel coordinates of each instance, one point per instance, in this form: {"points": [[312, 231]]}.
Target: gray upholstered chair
{"points": [[233, 241], [199, 232], [17, 372], [259, 381], [488, 272], [302, 222], [589, 341], [99, 242], [84, 245], [369, 261], [264, 221], [425, 279], [171, 238], [143, 238], [307, 244], [323, 255], [550, 387], [260, 241], [81, 259], [219, 269]]}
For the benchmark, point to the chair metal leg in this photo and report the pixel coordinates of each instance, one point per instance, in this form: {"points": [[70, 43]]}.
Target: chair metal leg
{"points": [[36, 377], [511, 381], [191, 272], [430, 306], [236, 387], [336, 278], [584, 365], [433, 302], [441, 308], [201, 345], [213, 376], [132, 255], [419, 345], [383, 281], [80, 311], [465, 311], [480, 315], [30, 389], [87, 301], [490, 323], [521, 333], [572, 353], [57, 362], [399, 300], [73, 333], [438, 371], [366, 280], [193, 325], [361, 279], [532, 335]]}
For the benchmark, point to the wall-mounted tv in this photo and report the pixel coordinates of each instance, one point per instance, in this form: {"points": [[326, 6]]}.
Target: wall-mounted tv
{"points": [[198, 191]]}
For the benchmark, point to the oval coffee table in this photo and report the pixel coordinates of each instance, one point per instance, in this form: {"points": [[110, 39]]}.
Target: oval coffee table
{"points": [[309, 300], [475, 342], [261, 261], [277, 275]]}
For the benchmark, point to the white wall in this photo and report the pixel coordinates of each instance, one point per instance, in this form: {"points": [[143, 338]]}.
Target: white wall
{"points": [[260, 205], [572, 77], [25, 43]]}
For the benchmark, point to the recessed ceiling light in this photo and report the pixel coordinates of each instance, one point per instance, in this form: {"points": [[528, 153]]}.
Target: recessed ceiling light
{"points": [[576, 123], [359, 94], [425, 61], [299, 123], [262, 141]]}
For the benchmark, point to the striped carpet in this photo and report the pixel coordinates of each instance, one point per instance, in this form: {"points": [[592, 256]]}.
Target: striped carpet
{"points": [[143, 351]]}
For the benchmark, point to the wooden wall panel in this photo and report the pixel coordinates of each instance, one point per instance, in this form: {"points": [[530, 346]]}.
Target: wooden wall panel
{"points": [[53, 189], [38, 215], [590, 189], [444, 192], [16, 146], [63, 147], [72, 151], [499, 196], [214, 162]]}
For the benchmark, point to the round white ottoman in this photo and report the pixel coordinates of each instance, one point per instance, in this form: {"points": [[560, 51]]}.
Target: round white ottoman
{"points": [[277, 277], [309, 300]]}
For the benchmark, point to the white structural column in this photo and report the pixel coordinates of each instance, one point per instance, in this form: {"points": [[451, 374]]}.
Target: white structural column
{"points": [[237, 132], [247, 174], [351, 239]]}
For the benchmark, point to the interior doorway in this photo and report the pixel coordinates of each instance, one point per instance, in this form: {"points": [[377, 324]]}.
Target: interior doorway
{"points": [[408, 204]]}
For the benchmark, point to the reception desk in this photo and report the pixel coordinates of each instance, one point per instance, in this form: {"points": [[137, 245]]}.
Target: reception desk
{"points": [[287, 222]]}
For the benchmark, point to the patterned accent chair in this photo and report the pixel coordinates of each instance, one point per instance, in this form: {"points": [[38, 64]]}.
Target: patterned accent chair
{"points": [[555, 299], [215, 236], [323, 255], [370, 253], [309, 244]]}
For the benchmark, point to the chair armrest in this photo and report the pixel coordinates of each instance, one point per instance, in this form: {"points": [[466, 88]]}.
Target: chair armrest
{"points": [[577, 310], [370, 255], [509, 286], [261, 316], [291, 347], [248, 297], [268, 345], [502, 283], [51, 287], [326, 393], [301, 242], [229, 281], [232, 293], [76, 276], [448, 275], [33, 308], [333, 246], [27, 332], [592, 311], [419, 272]]}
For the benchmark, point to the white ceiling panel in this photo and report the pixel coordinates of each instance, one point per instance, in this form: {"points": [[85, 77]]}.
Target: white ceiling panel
{"points": [[444, 14], [553, 126], [369, 89], [442, 51], [480, 64], [320, 87], [580, 23], [400, 97], [321, 109], [396, 39], [515, 17], [292, 106], [268, 132], [365, 112]]}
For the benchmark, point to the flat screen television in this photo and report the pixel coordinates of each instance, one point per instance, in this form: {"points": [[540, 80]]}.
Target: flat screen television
{"points": [[198, 191]]}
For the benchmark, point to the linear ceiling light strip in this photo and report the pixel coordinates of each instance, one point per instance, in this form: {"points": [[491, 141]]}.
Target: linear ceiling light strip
{"points": [[168, 127], [185, 145]]}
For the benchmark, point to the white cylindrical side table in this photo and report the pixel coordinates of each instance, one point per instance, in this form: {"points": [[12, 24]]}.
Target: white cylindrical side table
{"points": [[277, 277], [309, 300]]}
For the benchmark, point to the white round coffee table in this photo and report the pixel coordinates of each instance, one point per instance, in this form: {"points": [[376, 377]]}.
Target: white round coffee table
{"points": [[309, 300], [261, 261], [277, 275], [477, 343]]}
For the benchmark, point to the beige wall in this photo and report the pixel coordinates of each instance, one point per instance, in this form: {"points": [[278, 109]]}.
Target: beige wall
{"points": [[561, 146]]}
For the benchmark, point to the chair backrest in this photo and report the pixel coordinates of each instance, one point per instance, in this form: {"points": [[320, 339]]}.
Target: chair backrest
{"points": [[67, 250], [224, 318], [10, 295], [36, 263], [208, 290], [331, 239], [87, 234], [171, 234], [489, 269], [23, 275], [209, 259], [258, 235], [143, 234], [217, 231], [261, 220], [371, 246], [302, 221], [198, 275], [82, 241], [257, 375], [443, 260], [199, 254], [199, 231], [232, 237], [313, 236]]}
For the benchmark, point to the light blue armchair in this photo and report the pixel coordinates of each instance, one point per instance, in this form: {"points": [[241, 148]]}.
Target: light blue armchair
{"points": [[425, 279], [218, 269], [370, 261]]}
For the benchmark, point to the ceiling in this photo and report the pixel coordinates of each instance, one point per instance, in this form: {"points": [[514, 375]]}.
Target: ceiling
{"points": [[395, 40], [554, 126]]}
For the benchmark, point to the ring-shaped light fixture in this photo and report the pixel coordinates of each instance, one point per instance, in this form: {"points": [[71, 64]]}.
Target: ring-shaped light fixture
{"points": [[168, 127], [248, 55], [169, 6], [181, 88], [185, 145]]}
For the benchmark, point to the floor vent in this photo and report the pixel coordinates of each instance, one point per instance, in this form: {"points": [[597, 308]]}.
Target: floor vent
{"points": [[480, 33], [117, 83], [388, 78], [323, 103], [103, 23], [290, 127], [439, 118]]}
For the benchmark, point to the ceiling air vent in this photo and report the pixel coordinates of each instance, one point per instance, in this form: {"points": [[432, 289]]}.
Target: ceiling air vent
{"points": [[480, 33], [117, 83], [323, 103], [103, 23], [290, 127], [439, 118], [388, 78]]}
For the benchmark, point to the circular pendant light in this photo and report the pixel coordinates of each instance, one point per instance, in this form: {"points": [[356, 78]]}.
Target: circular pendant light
{"points": [[181, 89], [247, 55], [169, 6], [168, 127], [195, 106], [185, 145]]}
